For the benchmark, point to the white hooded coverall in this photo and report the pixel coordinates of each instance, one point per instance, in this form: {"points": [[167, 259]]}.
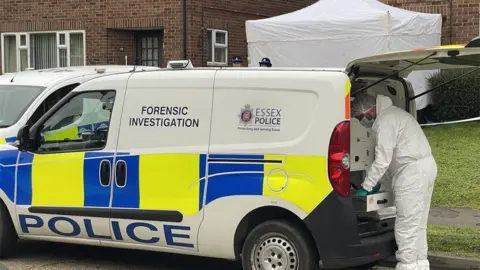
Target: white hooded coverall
{"points": [[403, 153]]}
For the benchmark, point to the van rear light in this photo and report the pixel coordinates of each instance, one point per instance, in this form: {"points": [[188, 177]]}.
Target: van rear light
{"points": [[339, 159]]}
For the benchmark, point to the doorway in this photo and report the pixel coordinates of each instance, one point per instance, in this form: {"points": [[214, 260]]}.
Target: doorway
{"points": [[149, 48]]}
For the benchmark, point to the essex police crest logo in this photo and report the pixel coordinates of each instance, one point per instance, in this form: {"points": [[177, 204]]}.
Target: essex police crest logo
{"points": [[246, 115]]}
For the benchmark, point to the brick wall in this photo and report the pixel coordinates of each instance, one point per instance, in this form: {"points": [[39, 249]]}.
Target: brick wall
{"points": [[120, 43], [105, 22], [231, 15], [460, 17], [460, 20]]}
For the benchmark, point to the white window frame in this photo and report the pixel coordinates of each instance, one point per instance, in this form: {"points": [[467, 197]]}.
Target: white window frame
{"points": [[27, 46], [214, 32], [65, 46], [20, 48]]}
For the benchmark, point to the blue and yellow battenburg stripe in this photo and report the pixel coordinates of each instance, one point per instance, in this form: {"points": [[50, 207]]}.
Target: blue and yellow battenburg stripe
{"points": [[7, 140], [8, 159], [162, 181]]}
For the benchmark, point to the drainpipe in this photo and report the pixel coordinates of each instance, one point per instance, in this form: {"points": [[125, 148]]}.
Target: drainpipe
{"points": [[185, 35], [451, 19]]}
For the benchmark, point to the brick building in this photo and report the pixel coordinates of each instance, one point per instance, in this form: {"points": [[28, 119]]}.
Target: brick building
{"points": [[50, 33]]}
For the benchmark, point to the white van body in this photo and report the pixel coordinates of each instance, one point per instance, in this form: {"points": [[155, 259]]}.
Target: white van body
{"points": [[33, 87], [255, 164]]}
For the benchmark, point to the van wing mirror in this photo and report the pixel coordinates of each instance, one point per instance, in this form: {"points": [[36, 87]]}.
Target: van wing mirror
{"points": [[23, 138]]}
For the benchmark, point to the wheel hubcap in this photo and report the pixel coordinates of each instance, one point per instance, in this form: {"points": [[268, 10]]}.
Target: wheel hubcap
{"points": [[275, 253]]}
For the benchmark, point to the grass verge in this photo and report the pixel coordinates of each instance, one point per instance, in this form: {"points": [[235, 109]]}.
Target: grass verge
{"points": [[456, 149], [454, 241]]}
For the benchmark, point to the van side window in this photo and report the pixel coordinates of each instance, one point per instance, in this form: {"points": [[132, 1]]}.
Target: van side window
{"points": [[50, 101], [81, 124]]}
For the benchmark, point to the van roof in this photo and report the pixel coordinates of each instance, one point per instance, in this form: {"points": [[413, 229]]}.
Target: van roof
{"points": [[290, 68], [329, 69], [47, 77]]}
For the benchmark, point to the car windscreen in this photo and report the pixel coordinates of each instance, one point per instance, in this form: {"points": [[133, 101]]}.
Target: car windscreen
{"points": [[14, 101]]}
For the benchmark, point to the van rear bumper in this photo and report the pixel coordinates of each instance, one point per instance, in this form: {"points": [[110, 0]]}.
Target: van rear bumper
{"points": [[371, 250], [340, 244]]}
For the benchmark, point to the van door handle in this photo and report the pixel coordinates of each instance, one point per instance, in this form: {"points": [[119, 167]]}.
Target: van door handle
{"points": [[121, 173], [104, 174]]}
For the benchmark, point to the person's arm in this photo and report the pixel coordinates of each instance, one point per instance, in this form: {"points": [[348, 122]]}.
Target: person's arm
{"points": [[386, 139]]}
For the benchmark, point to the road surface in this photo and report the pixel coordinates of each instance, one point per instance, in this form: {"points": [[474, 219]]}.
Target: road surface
{"points": [[56, 256]]}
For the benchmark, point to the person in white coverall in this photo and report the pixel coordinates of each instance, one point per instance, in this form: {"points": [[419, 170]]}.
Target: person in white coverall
{"points": [[402, 153]]}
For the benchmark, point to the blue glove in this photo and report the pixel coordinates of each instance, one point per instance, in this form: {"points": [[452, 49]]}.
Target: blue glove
{"points": [[376, 189], [361, 193]]}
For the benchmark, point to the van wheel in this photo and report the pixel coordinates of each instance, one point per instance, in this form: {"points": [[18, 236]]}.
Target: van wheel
{"points": [[8, 235], [279, 245]]}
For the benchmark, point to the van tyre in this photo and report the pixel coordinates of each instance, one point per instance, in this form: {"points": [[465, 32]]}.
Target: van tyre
{"points": [[8, 235], [279, 245]]}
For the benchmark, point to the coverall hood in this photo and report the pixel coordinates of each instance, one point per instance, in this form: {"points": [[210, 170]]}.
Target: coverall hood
{"points": [[383, 103]]}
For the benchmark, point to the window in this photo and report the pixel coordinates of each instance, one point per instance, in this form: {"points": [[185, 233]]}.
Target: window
{"points": [[40, 50], [217, 47], [81, 124]]}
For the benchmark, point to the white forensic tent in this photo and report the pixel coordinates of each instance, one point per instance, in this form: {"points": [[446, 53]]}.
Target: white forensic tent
{"points": [[330, 33]]}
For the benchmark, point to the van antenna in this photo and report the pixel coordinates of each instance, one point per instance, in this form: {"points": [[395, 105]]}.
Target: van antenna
{"points": [[14, 76], [134, 66]]}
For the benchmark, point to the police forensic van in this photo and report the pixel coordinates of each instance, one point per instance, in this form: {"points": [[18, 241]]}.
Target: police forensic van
{"points": [[238, 163], [26, 96]]}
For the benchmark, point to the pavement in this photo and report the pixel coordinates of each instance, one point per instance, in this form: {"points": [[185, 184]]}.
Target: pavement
{"points": [[56, 256], [443, 263], [455, 217]]}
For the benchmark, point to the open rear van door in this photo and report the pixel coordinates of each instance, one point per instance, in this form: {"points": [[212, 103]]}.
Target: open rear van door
{"points": [[402, 63]]}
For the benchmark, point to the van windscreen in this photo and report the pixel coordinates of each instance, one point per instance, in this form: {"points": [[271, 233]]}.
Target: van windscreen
{"points": [[14, 101]]}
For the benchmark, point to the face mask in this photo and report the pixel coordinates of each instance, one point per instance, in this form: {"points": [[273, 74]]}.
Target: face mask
{"points": [[367, 123]]}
